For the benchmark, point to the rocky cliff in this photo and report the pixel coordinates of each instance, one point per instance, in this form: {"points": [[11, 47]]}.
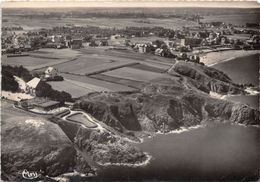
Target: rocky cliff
{"points": [[206, 78], [162, 112], [171, 102], [101, 146]]}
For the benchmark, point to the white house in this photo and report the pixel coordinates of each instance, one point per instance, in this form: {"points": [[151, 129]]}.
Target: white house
{"points": [[51, 72], [32, 86], [159, 52]]}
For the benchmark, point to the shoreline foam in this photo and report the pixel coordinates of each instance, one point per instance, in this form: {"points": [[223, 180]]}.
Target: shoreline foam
{"points": [[139, 164], [182, 130]]}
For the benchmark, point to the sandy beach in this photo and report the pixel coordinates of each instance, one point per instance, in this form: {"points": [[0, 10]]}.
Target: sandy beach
{"points": [[213, 58]]}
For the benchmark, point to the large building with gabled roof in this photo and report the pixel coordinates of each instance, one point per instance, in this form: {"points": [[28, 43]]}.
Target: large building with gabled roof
{"points": [[32, 86]]}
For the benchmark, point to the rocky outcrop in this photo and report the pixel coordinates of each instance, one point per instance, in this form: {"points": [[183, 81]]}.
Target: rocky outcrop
{"points": [[157, 109], [120, 114], [101, 145], [206, 79], [105, 148]]}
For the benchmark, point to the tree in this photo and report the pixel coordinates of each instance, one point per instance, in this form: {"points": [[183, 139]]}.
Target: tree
{"points": [[158, 43], [8, 81]]}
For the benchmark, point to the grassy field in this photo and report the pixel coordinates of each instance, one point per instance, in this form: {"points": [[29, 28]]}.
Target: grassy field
{"points": [[56, 53], [34, 23], [95, 84], [131, 69], [92, 63], [235, 19], [74, 89], [133, 74], [81, 118], [121, 81], [20, 130], [41, 58], [145, 67], [30, 62], [130, 55]]}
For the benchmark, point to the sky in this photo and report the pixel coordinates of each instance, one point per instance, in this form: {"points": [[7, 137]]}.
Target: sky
{"points": [[128, 3]]}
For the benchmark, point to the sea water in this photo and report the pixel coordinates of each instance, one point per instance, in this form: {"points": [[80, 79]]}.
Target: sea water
{"points": [[215, 152]]}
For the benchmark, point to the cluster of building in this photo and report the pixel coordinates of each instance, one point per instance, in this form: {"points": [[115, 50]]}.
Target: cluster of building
{"points": [[16, 43], [213, 34], [38, 104], [34, 85]]}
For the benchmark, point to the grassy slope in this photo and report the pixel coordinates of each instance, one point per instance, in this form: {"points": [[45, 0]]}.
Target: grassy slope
{"points": [[33, 143]]}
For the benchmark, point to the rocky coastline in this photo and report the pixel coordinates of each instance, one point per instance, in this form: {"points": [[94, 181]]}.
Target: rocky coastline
{"points": [[177, 102]]}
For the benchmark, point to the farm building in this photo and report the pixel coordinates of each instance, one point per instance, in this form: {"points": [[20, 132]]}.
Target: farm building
{"points": [[51, 72], [191, 41], [76, 43], [194, 58], [142, 49], [46, 106], [103, 43], [163, 52], [42, 104], [32, 86]]}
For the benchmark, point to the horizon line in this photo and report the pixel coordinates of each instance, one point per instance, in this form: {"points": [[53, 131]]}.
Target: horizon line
{"points": [[130, 4]]}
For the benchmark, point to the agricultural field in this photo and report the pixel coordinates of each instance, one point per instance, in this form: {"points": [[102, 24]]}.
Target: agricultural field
{"points": [[56, 53], [133, 74], [122, 81], [148, 67], [130, 55], [95, 84], [29, 62], [41, 58], [81, 118], [235, 19], [68, 86], [35, 24], [92, 63]]}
